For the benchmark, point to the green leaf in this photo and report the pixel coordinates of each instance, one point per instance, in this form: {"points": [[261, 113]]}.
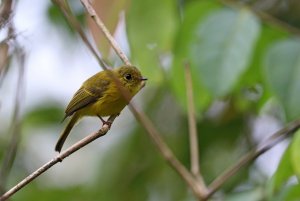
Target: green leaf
{"points": [[193, 14], [253, 81], [151, 27], [284, 170], [290, 193], [249, 195], [295, 150], [222, 47], [282, 70]]}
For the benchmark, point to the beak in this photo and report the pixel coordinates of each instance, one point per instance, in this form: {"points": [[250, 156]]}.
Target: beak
{"points": [[143, 79]]}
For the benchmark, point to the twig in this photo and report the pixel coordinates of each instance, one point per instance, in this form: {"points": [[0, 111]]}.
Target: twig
{"points": [[91, 11], [193, 134], [194, 149], [58, 158], [73, 22], [253, 154]]}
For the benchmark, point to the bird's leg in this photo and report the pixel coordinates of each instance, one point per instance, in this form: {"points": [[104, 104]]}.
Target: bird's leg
{"points": [[104, 122]]}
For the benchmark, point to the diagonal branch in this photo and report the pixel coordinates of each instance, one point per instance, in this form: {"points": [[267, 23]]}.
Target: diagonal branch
{"points": [[91, 11], [58, 158], [277, 137]]}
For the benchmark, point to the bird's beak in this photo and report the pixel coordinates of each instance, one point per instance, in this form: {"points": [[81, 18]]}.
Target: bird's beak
{"points": [[143, 81]]}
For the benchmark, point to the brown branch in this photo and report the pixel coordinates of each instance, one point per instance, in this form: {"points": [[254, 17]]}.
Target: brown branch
{"points": [[91, 11], [58, 158], [193, 134], [253, 154]]}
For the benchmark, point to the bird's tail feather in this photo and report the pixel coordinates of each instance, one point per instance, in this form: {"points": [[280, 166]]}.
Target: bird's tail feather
{"points": [[66, 132]]}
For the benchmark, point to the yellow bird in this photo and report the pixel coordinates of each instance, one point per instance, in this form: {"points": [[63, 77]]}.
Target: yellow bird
{"points": [[100, 96]]}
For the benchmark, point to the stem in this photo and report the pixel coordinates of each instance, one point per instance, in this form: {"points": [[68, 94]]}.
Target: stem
{"points": [[194, 147]]}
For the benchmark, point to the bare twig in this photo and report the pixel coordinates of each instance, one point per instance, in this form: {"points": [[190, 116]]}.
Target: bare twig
{"points": [[253, 154], [58, 158], [91, 11], [194, 148]]}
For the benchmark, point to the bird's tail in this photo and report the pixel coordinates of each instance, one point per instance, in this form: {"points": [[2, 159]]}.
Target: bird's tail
{"points": [[66, 132]]}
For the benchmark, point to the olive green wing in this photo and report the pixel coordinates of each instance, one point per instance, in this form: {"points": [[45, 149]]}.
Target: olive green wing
{"points": [[89, 93]]}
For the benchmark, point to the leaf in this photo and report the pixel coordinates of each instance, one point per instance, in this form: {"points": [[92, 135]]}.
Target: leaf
{"points": [[193, 14], [282, 70], [222, 48], [295, 150], [249, 195], [253, 81], [290, 193], [109, 12], [284, 171], [219, 43], [289, 166], [150, 27]]}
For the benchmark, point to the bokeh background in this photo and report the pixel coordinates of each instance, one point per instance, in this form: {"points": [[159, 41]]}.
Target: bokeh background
{"points": [[244, 56]]}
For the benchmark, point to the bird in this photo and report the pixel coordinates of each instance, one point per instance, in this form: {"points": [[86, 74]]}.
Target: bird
{"points": [[101, 95]]}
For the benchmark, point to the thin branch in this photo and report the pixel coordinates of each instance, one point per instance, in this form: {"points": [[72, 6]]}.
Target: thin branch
{"points": [[91, 11], [193, 134], [194, 149], [253, 154], [58, 158]]}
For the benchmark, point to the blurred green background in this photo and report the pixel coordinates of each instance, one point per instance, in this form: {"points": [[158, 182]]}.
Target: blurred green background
{"points": [[245, 62]]}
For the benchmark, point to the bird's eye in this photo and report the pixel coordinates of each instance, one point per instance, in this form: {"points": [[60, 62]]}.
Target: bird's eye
{"points": [[128, 76]]}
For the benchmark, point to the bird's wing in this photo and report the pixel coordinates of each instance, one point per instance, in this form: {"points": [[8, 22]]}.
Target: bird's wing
{"points": [[85, 96]]}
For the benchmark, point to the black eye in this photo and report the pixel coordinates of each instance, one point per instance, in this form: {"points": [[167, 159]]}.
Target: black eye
{"points": [[128, 76]]}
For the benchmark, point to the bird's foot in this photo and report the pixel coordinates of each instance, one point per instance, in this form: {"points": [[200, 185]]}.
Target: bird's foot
{"points": [[108, 123]]}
